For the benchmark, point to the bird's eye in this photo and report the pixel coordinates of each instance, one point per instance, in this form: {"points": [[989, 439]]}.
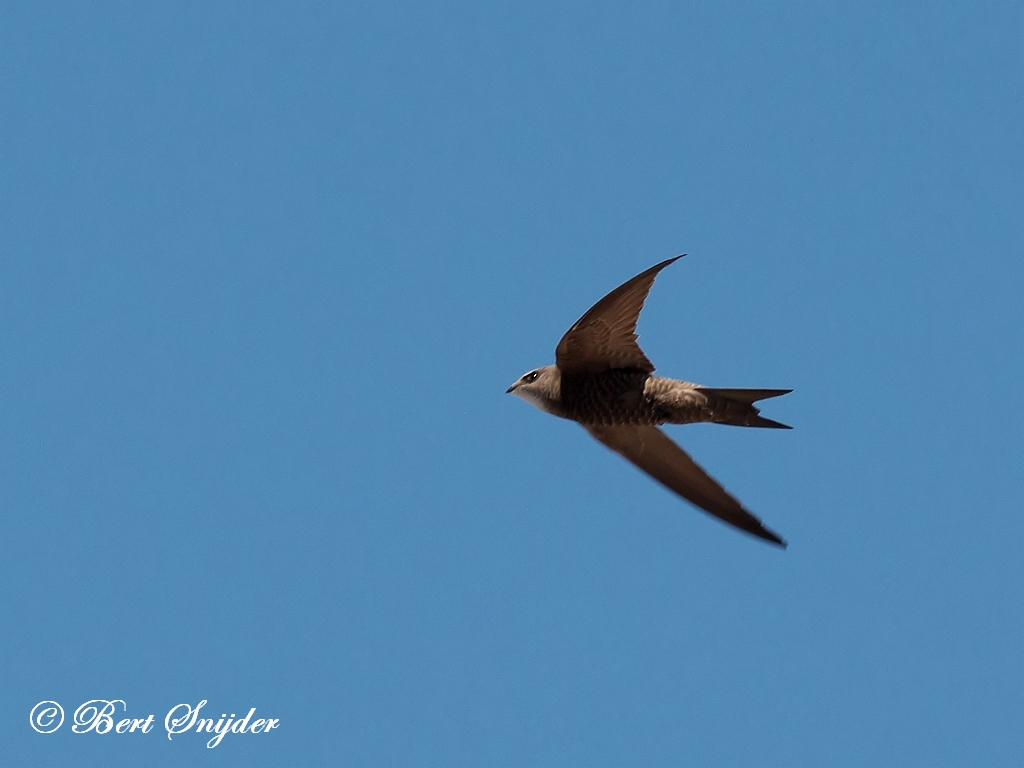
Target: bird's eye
{"points": [[531, 376]]}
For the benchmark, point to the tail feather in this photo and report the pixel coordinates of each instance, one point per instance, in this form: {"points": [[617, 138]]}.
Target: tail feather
{"points": [[736, 406], [747, 396], [761, 421]]}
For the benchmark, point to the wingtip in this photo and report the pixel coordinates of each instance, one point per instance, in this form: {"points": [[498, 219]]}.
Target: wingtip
{"points": [[767, 534], [662, 264], [773, 538]]}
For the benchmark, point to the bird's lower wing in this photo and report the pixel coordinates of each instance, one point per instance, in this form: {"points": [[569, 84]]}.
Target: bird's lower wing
{"points": [[652, 450]]}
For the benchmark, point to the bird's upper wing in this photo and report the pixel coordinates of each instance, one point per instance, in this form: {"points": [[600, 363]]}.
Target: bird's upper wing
{"points": [[605, 337], [652, 450]]}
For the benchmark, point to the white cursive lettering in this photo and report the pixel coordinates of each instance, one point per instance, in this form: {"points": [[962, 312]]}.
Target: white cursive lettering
{"points": [[93, 717], [183, 723], [46, 716]]}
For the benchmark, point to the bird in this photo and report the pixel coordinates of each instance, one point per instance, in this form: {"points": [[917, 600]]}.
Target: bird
{"points": [[604, 381]]}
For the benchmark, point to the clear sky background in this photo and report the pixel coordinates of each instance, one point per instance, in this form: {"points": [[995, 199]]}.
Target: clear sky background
{"points": [[268, 269]]}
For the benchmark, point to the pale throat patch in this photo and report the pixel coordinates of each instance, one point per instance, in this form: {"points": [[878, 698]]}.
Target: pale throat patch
{"points": [[531, 397]]}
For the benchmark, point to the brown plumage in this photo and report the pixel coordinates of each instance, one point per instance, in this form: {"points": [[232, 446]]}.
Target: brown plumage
{"points": [[602, 379]]}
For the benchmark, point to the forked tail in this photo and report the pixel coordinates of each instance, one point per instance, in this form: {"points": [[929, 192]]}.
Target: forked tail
{"points": [[736, 406]]}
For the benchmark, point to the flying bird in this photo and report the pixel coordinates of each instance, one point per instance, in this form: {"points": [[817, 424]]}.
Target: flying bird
{"points": [[603, 380]]}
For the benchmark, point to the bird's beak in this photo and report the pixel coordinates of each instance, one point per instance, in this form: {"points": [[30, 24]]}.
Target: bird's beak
{"points": [[510, 389]]}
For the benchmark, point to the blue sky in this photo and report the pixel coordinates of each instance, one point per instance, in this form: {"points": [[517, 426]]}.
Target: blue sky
{"points": [[266, 271]]}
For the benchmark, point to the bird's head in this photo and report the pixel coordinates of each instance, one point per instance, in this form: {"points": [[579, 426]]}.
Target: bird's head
{"points": [[541, 386]]}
